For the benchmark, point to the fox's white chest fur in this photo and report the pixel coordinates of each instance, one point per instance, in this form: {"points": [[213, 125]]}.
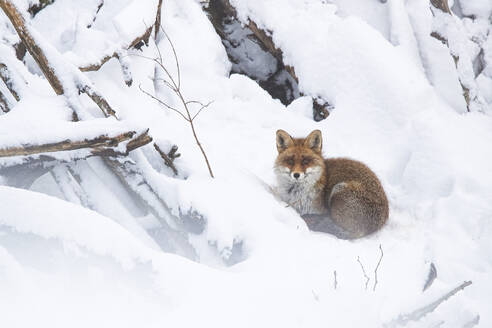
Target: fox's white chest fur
{"points": [[304, 194]]}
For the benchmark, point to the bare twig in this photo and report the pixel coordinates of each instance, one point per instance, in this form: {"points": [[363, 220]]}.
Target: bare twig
{"points": [[163, 103], [364, 272], [168, 160], [430, 277], [418, 314], [175, 86], [99, 6], [201, 108], [376, 269]]}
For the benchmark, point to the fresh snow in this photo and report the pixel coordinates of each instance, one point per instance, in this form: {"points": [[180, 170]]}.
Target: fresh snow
{"points": [[256, 263]]}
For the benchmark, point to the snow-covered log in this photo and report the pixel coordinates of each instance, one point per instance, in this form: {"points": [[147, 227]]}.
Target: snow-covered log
{"points": [[221, 12]]}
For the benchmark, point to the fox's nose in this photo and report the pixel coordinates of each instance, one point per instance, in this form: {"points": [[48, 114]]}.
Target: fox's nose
{"points": [[296, 175]]}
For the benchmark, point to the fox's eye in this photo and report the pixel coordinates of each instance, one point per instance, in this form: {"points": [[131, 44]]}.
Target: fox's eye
{"points": [[290, 161], [306, 161]]}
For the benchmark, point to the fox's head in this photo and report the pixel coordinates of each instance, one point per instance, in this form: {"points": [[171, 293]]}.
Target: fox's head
{"points": [[299, 161]]}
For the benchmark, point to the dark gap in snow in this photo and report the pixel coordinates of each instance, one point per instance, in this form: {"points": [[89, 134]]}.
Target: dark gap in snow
{"points": [[249, 56]]}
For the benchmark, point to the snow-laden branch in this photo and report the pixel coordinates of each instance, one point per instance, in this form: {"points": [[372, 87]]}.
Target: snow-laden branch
{"points": [[404, 319], [100, 145], [448, 30]]}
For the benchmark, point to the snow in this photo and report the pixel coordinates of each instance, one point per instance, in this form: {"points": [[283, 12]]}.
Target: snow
{"points": [[256, 263]]}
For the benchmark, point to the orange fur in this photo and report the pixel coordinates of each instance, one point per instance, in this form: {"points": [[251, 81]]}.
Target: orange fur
{"points": [[340, 195]]}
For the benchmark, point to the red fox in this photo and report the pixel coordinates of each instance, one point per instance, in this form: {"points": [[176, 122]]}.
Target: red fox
{"points": [[336, 195]]}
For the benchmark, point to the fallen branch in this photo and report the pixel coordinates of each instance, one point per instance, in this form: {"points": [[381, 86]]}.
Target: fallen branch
{"points": [[169, 157], [71, 189], [4, 103], [35, 8], [36, 52], [99, 6], [99, 100], [418, 314], [157, 24], [6, 77], [100, 146]]}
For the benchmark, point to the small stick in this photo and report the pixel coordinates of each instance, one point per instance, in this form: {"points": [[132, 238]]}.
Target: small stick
{"points": [[167, 160], [376, 270], [418, 314], [363, 271]]}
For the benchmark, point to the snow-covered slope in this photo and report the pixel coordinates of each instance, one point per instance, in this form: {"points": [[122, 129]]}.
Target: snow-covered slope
{"points": [[66, 265]]}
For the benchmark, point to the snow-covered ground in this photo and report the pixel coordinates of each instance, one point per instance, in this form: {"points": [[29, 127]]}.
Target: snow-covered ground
{"points": [[64, 265]]}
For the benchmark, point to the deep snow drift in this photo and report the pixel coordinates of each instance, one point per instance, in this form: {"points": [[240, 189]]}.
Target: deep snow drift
{"points": [[64, 265]]}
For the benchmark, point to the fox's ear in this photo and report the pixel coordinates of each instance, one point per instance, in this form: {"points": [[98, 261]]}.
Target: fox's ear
{"points": [[284, 140], [314, 141]]}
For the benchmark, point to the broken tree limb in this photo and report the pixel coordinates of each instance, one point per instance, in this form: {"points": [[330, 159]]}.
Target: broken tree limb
{"points": [[6, 76], [99, 100], [4, 103], [441, 4], [418, 314], [157, 24], [99, 146], [99, 6], [71, 189], [36, 7], [26, 36], [168, 158]]}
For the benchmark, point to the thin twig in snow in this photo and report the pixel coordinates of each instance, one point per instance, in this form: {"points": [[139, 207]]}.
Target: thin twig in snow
{"points": [[376, 269], [363, 271], [418, 314], [175, 86]]}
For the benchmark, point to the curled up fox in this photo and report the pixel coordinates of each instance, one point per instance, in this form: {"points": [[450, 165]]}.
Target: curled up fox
{"points": [[336, 195]]}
